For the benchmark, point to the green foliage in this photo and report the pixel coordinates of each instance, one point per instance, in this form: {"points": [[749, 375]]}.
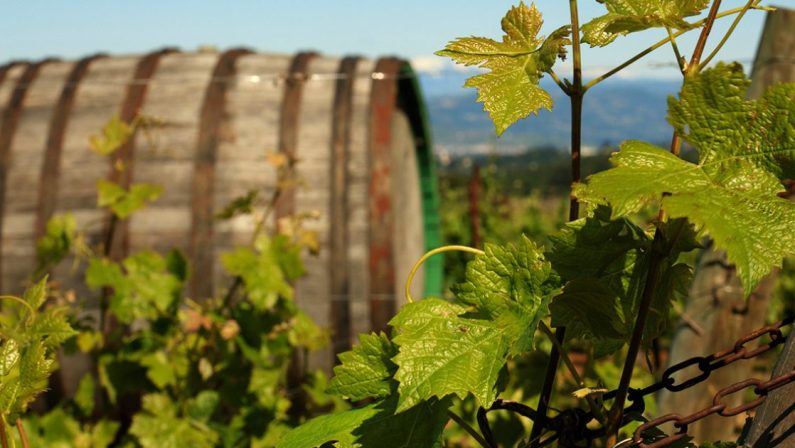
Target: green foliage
{"points": [[605, 263], [733, 207], [376, 424], [125, 202], [510, 91], [629, 16], [161, 425], [365, 371], [115, 133], [58, 429], [206, 374], [260, 269], [143, 288], [31, 334]]}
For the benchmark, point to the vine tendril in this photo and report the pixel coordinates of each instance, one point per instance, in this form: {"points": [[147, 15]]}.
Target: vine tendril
{"points": [[431, 253]]}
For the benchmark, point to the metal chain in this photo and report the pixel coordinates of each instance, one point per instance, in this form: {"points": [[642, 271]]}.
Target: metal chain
{"points": [[761, 389], [569, 426]]}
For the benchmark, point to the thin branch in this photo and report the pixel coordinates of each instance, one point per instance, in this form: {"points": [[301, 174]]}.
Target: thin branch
{"points": [[679, 59], [595, 408], [695, 61], [3, 432], [657, 45], [560, 83], [576, 93], [483, 423], [468, 428], [729, 32], [23, 436]]}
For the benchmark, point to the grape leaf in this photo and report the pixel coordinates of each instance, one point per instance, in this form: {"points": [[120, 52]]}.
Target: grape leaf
{"points": [[376, 424], [510, 285], [84, 396], [606, 262], [115, 133], [124, 202], [510, 91], [442, 353], [629, 16], [51, 327], [460, 348], [9, 355], [158, 425], [261, 273], [730, 131], [587, 307], [749, 222], [366, 370], [145, 289]]}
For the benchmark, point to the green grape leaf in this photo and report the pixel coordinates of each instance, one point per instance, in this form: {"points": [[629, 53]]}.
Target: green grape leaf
{"points": [[9, 356], [36, 294], [123, 202], [203, 405], [58, 240], [510, 91], [510, 285], [288, 255], [115, 133], [51, 327], [376, 424], [261, 273], [740, 218], [588, 308], [366, 370], [159, 369], [104, 433], [35, 367], [145, 289], [730, 131], [84, 396], [442, 353], [605, 262], [158, 425], [629, 16]]}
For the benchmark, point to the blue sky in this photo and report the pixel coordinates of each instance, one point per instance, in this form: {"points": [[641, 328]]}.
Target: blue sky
{"points": [[32, 29]]}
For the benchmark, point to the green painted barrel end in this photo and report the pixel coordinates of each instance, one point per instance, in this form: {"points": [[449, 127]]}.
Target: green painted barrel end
{"points": [[411, 101]]}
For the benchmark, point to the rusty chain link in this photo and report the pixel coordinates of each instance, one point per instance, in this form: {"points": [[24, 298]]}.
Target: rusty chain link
{"points": [[570, 425], [760, 388]]}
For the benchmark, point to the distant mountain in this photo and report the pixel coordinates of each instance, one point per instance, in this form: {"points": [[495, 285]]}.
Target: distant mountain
{"points": [[614, 111]]}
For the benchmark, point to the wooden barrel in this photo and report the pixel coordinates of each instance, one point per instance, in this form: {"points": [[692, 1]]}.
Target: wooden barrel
{"points": [[355, 128]]}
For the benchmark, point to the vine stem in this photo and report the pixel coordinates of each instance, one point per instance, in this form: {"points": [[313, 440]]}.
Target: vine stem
{"points": [[729, 32], [468, 428], [3, 432], [594, 407], [23, 436], [675, 46], [575, 91], [659, 44], [428, 255], [616, 413]]}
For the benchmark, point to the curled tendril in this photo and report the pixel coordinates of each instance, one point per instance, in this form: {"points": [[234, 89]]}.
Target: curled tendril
{"points": [[18, 300], [431, 253]]}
